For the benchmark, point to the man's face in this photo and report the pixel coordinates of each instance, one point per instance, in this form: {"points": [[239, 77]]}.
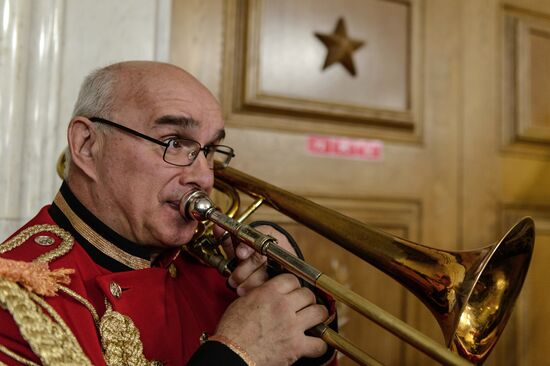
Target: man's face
{"points": [[140, 192]]}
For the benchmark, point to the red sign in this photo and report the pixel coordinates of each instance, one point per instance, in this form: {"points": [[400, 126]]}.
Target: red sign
{"points": [[343, 147]]}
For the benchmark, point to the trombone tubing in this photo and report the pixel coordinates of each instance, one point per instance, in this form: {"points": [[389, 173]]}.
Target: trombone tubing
{"points": [[198, 205]]}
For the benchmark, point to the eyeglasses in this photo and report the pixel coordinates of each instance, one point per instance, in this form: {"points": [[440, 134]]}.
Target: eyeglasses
{"points": [[181, 151]]}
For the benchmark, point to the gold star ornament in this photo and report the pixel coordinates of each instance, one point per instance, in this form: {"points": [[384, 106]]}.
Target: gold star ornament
{"points": [[340, 47]]}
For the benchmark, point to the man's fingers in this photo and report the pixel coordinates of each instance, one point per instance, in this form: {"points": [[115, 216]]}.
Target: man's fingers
{"points": [[301, 298], [244, 251], [256, 279], [308, 318], [251, 266], [312, 315], [225, 241], [284, 283], [313, 347]]}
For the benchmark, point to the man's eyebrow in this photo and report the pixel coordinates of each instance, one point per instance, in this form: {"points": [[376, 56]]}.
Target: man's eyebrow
{"points": [[184, 122]]}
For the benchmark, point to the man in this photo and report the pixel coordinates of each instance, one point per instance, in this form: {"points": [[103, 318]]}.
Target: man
{"points": [[98, 277]]}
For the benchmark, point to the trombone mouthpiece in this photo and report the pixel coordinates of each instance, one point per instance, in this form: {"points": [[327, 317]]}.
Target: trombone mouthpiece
{"points": [[196, 205]]}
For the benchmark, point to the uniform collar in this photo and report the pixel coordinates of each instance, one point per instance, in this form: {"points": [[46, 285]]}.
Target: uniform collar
{"points": [[106, 247]]}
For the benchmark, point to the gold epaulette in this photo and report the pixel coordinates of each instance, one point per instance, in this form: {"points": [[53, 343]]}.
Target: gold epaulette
{"points": [[35, 276], [21, 286], [67, 241]]}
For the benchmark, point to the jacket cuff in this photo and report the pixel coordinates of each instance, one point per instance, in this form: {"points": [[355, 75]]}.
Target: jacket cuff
{"points": [[214, 353]]}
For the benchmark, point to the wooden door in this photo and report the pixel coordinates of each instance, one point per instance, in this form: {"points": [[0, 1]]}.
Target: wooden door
{"points": [[434, 87]]}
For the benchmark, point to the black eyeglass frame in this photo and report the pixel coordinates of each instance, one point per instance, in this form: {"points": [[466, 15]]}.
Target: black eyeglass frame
{"points": [[205, 149]]}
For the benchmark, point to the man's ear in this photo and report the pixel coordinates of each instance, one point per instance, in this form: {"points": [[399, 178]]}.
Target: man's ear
{"points": [[84, 144]]}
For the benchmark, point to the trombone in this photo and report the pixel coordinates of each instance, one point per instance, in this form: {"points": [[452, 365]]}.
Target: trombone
{"points": [[470, 293]]}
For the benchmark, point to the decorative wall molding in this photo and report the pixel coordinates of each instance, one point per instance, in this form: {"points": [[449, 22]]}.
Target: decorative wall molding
{"points": [[525, 81], [274, 80], [512, 213]]}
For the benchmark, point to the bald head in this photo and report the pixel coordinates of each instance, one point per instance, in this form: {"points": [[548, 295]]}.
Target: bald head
{"points": [[108, 88]]}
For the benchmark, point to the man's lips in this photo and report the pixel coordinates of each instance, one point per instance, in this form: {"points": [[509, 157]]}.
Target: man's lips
{"points": [[174, 201], [175, 205]]}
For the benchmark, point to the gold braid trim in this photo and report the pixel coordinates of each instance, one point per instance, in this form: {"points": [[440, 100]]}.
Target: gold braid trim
{"points": [[121, 340], [24, 235], [50, 339], [83, 301], [62, 249], [101, 244], [235, 348], [16, 357]]}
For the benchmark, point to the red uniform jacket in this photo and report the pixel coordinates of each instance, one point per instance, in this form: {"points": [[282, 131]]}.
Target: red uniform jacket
{"points": [[171, 302], [171, 308]]}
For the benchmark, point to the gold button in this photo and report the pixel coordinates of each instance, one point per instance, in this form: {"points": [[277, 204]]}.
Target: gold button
{"points": [[44, 240], [116, 290], [156, 363], [172, 270]]}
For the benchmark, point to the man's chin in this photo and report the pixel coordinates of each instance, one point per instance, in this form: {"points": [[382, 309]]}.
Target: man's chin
{"points": [[180, 237]]}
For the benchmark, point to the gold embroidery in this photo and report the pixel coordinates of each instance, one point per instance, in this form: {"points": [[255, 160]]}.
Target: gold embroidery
{"points": [[49, 337], [97, 240], [121, 340], [45, 331], [62, 249], [24, 235], [16, 357], [83, 301]]}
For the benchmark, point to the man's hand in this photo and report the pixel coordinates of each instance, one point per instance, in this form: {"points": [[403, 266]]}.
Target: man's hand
{"points": [[251, 271], [269, 322]]}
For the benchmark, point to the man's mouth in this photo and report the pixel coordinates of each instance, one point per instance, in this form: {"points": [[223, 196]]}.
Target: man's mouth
{"points": [[175, 205], [174, 202]]}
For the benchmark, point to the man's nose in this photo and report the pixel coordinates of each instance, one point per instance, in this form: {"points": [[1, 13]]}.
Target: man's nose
{"points": [[199, 172]]}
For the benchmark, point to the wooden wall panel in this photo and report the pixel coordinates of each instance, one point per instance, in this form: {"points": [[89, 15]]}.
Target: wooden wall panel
{"points": [[275, 76], [526, 84]]}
